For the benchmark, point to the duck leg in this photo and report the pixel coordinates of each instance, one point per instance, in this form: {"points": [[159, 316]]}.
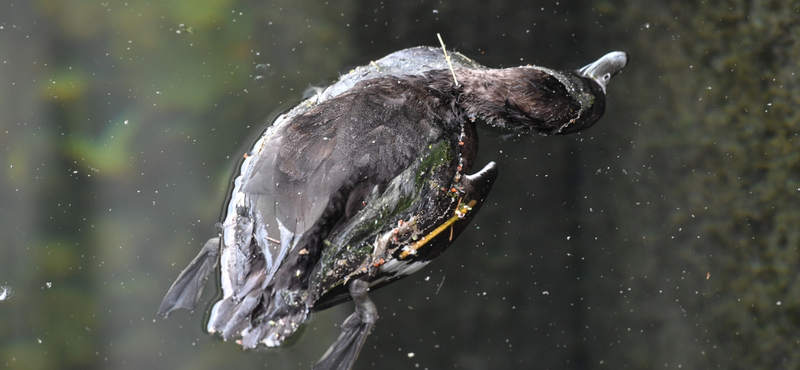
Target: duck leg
{"points": [[343, 353]]}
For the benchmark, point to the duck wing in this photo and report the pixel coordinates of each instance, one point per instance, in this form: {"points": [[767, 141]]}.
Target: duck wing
{"points": [[308, 177]]}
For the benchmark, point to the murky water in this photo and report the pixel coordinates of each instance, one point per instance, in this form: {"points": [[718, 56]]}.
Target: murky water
{"points": [[665, 236]]}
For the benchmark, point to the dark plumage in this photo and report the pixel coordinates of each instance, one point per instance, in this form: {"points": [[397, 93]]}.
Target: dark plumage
{"points": [[365, 183]]}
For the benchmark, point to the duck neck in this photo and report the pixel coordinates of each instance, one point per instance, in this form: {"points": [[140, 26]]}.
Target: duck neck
{"points": [[523, 99]]}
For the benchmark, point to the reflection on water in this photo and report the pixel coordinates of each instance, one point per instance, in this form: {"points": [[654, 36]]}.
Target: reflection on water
{"points": [[6, 292]]}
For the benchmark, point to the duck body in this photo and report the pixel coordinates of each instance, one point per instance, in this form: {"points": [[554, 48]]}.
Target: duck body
{"points": [[365, 183]]}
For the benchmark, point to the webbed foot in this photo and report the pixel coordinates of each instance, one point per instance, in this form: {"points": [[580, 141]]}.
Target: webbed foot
{"points": [[186, 290], [343, 353]]}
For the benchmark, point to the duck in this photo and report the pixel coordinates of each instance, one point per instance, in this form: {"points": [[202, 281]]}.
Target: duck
{"points": [[366, 182]]}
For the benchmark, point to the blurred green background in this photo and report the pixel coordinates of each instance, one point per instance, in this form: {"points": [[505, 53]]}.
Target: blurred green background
{"points": [[664, 237]]}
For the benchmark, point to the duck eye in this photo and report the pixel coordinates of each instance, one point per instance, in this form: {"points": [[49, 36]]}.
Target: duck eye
{"points": [[607, 77]]}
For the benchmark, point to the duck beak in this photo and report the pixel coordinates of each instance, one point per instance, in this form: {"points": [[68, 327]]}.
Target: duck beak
{"points": [[604, 68]]}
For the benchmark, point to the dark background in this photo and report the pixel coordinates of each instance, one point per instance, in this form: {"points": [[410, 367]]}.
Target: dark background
{"points": [[664, 237]]}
